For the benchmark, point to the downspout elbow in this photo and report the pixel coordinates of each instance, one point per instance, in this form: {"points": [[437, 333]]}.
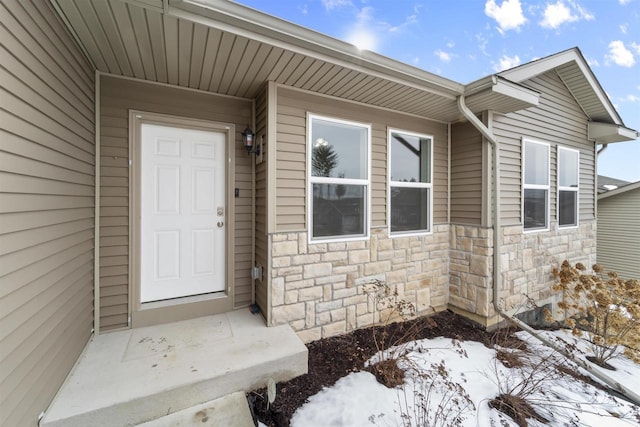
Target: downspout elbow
{"points": [[601, 150]]}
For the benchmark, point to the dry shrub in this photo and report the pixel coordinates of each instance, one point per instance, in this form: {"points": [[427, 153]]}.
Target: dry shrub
{"points": [[388, 373], [604, 307], [517, 408]]}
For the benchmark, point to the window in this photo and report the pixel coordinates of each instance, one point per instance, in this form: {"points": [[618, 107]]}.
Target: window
{"points": [[568, 185], [339, 169], [410, 166], [535, 188]]}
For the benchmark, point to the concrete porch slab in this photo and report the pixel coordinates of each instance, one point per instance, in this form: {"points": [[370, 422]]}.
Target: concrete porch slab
{"points": [[228, 411], [130, 377]]}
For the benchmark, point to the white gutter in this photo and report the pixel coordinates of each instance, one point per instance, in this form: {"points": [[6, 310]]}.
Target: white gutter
{"points": [[497, 276]]}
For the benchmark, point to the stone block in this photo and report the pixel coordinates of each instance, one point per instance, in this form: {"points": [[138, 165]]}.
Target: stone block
{"points": [[376, 267], [310, 315], [309, 335], [283, 261], [344, 293], [333, 329], [305, 259], [317, 270], [302, 243], [286, 247], [423, 299], [359, 256], [359, 244], [298, 284], [277, 291], [317, 248], [291, 297], [338, 314], [308, 294], [288, 313], [351, 318]]}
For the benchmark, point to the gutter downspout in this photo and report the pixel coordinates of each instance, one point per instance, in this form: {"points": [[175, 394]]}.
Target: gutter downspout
{"points": [[497, 277], [601, 150]]}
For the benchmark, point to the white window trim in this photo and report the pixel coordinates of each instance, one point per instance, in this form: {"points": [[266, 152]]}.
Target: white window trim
{"points": [[536, 186], [329, 180], [574, 189], [390, 184]]}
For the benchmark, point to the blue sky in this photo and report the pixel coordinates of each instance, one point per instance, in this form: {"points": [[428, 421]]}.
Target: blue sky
{"points": [[465, 40]]}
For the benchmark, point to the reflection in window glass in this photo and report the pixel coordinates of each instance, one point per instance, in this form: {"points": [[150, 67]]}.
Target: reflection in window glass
{"points": [[537, 163], [338, 210], [409, 209], [410, 160], [338, 149], [410, 170], [567, 208], [568, 186], [338, 178], [535, 195]]}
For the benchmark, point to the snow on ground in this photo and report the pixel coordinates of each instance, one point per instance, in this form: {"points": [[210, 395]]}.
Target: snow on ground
{"points": [[359, 400]]}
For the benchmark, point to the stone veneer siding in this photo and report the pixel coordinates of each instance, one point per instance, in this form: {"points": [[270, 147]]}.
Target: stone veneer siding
{"points": [[526, 263], [319, 288]]}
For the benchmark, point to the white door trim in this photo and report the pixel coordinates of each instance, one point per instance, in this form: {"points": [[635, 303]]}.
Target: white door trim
{"points": [[143, 314]]}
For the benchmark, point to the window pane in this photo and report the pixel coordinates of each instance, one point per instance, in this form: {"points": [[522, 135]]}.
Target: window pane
{"points": [[568, 208], [568, 168], [536, 168], [409, 209], [338, 210], [535, 208], [410, 158], [339, 150]]}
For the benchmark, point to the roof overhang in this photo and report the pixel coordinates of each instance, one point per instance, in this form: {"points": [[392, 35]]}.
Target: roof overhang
{"points": [[499, 94], [620, 190], [606, 133], [223, 47]]}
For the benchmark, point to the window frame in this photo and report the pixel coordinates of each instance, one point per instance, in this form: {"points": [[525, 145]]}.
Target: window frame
{"points": [[428, 186], [525, 186], [330, 180], [564, 188]]}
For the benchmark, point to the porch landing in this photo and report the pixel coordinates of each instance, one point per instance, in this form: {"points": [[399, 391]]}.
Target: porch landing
{"points": [[134, 376]]}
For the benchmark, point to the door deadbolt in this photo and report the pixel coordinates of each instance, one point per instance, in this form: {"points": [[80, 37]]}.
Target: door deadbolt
{"points": [[220, 224], [220, 211]]}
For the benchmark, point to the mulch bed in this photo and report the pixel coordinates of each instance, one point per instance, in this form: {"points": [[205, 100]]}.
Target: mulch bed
{"points": [[332, 358]]}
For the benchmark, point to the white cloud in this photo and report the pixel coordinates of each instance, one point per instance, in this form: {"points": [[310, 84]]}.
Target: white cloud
{"points": [[619, 54], [635, 46], [334, 4], [632, 98], [623, 2], [442, 55], [508, 16], [592, 62], [559, 13], [623, 28], [362, 36], [507, 62]]}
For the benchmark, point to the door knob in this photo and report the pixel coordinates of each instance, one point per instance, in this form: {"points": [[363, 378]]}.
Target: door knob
{"points": [[220, 224]]}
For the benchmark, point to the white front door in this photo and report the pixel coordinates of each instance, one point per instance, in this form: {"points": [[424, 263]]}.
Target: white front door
{"points": [[182, 207]]}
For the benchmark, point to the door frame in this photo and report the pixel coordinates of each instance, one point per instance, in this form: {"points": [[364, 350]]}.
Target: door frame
{"points": [[151, 313]]}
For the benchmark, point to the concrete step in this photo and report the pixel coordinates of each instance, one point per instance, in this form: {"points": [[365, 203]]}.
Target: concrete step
{"points": [[130, 377], [231, 410]]}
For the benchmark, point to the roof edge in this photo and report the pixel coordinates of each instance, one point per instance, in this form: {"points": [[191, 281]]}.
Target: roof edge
{"points": [[619, 190], [607, 133]]}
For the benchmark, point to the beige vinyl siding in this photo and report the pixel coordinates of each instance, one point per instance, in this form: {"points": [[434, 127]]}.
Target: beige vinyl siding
{"points": [[558, 120], [262, 242], [619, 234], [46, 208], [293, 107], [466, 174], [117, 97]]}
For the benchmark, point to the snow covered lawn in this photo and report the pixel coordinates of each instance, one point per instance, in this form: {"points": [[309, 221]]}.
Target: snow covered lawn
{"points": [[449, 382]]}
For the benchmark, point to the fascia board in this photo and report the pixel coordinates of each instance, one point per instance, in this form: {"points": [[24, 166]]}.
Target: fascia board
{"points": [[605, 133]]}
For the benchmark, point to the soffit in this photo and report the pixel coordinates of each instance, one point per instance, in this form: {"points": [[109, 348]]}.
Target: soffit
{"points": [[137, 39]]}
